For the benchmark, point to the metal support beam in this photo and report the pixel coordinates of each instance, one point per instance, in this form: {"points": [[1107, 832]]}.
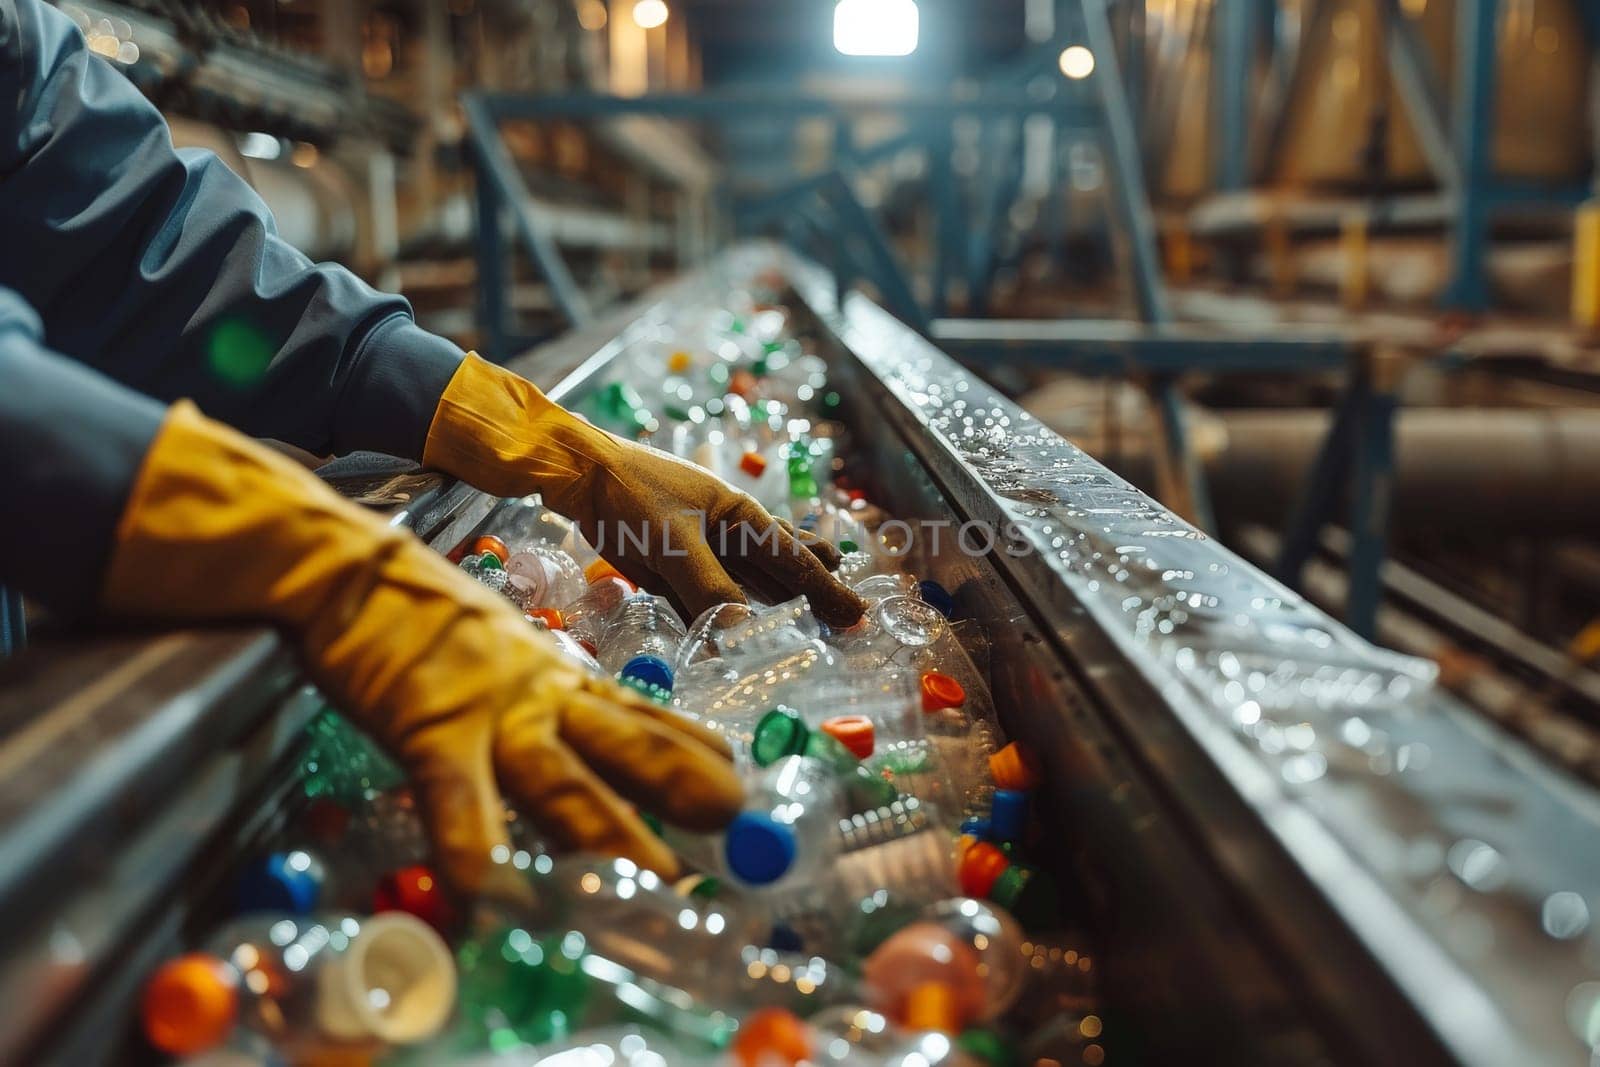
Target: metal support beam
{"points": [[1421, 92], [858, 225], [491, 255], [946, 210], [1127, 184], [774, 106], [1178, 466], [507, 186], [1357, 456], [1476, 22], [1289, 85], [13, 628], [1233, 59], [1119, 347]]}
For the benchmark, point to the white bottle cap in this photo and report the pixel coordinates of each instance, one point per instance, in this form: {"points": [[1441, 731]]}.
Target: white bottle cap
{"points": [[395, 983]]}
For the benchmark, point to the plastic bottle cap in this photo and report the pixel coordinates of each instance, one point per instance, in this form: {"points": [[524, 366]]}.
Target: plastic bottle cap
{"points": [[758, 848], [417, 891], [771, 1037], [1027, 893], [743, 383], [190, 1004], [282, 882], [854, 732], [492, 545], [550, 617], [975, 827], [780, 733], [932, 1006], [940, 691], [650, 670], [1014, 767], [937, 596], [1008, 814], [981, 865], [679, 362], [847, 546], [784, 938], [987, 1047], [600, 570], [753, 463], [402, 956]]}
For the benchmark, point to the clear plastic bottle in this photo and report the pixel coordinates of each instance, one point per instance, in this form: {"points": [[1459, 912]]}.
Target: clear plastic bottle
{"points": [[642, 640], [543, 576], [731, 694], [733, 630], [786, 837], [587, 617], [305, 984]]}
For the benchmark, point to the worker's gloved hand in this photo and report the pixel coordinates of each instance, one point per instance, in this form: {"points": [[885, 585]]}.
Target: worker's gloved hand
{"points": [[667, 524], [444, 672]]}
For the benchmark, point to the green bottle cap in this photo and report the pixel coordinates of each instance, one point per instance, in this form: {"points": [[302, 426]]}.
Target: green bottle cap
{"points": [[1028, 894], [831, 399], [826, 748], [848, 545], [868, 790], [772, 346], [988, 1046], [490, 562], [780, 733], [760, 368]]}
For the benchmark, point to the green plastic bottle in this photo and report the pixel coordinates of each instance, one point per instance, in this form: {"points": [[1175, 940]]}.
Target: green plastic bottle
{"points": [[342, 764]]}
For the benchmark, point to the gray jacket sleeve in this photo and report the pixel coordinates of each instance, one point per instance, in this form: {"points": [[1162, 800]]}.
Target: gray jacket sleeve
{"points": [[162, 269], [71, 441]]}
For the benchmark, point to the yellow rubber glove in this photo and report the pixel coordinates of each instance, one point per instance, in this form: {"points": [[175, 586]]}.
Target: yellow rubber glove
{"points": [[667, 524], [441, 670]]}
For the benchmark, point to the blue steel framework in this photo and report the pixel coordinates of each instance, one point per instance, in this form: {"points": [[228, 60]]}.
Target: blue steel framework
{"points": [[1456, 134], [822, 212]]}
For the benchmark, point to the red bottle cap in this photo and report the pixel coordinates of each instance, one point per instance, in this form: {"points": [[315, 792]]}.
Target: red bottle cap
{"points": [[771, 1037], [190, 1004], [981, 866], [753, 463], [854, 732], [492, 545], [417, 891], [940, 691], [550, 617]]}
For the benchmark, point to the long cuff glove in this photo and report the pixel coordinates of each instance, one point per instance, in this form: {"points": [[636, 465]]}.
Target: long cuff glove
{"points": [[665, 523], [437, 667]]}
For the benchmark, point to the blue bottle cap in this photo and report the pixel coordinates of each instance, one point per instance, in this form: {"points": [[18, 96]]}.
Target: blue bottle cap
{"points": [[784, 938], [1008, 813], [759, 849], [282, 882], [937, 597], [975, 827], [651, 670]]}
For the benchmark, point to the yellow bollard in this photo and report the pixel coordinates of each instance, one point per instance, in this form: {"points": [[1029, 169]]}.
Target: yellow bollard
{"points": [[1353, 284], [1586, 266]]}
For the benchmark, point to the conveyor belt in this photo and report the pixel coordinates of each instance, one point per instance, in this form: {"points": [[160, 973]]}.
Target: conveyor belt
{"points": [[1289, 846]]}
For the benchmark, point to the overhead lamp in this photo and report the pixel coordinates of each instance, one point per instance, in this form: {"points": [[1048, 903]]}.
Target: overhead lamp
{"points": [[1077, 62], [875, 27], [648, 14]]}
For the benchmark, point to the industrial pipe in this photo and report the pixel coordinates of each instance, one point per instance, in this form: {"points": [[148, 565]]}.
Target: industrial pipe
{"points": [[1486, 468]]}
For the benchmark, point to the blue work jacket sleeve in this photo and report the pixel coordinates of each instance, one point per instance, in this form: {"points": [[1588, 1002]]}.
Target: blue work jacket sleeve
{"points": [[71, 441], [163, 270]]}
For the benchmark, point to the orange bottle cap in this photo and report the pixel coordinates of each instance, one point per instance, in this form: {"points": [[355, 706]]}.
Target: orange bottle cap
{"points": [[679, 362], [854, 732], [600, 570], [742, 383], [981, 866], [1014, 767], [932, 1006], [190, 1004], [753, 463], [493, 546], [550, 617], [771, 1037], [940, 691]]}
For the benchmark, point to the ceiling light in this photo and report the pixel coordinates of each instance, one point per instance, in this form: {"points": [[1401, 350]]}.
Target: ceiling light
{"points": [[875, 27], [650, 13], [1077, 62]]}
